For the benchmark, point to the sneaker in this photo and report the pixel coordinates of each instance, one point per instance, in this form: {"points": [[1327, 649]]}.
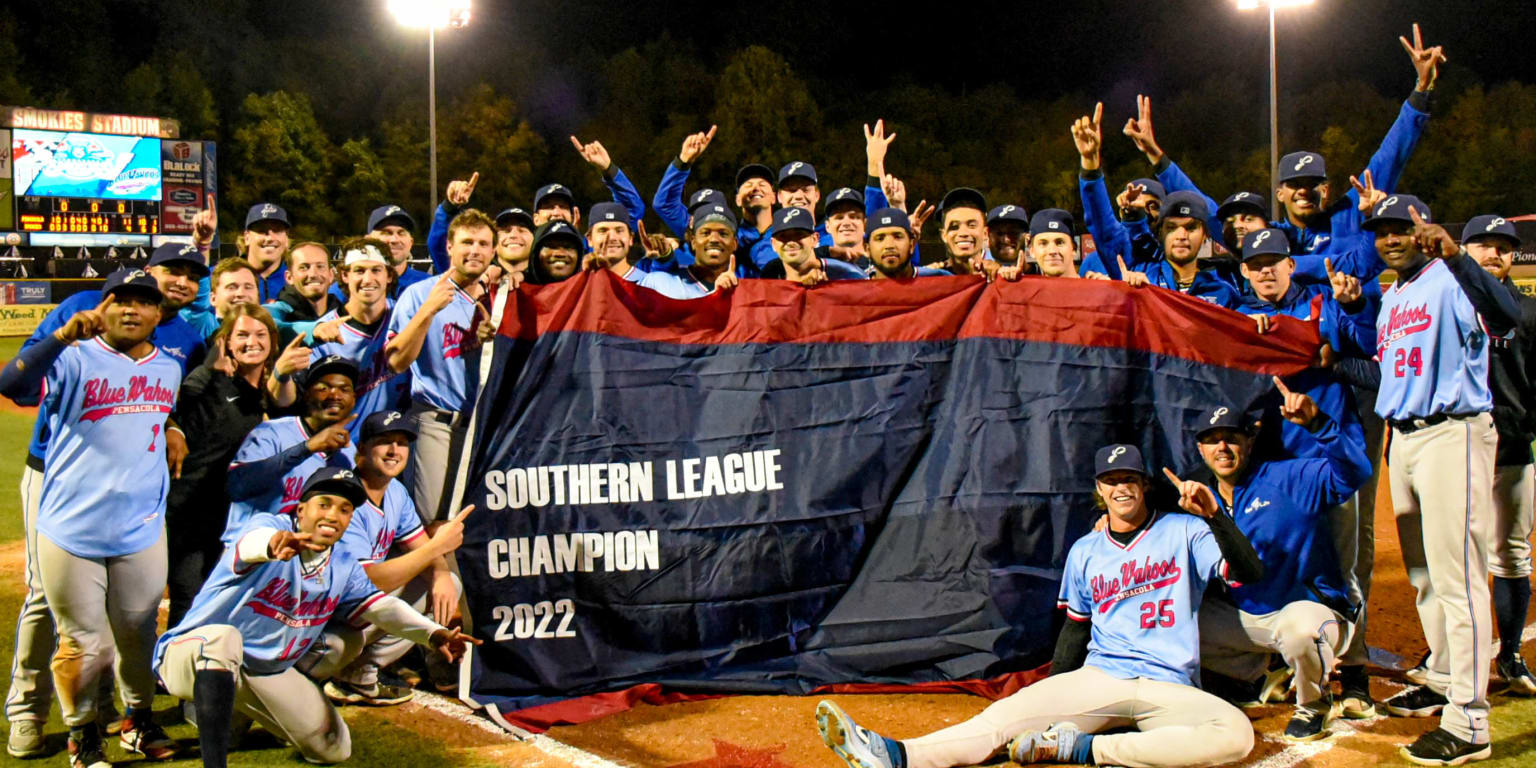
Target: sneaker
{"points": [[26, 739], [86, 749], [1355, 702], [1419, 674], [855, 745], [1275, 683], [109, 720], [376, 695], [1052, 745], [1517, 677], [1310, 722], [146, 737], [1440, 747], [1418, 701]]}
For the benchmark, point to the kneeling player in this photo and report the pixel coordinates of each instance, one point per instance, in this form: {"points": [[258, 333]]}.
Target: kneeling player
{"points": [[272, 594], [1131, 593]]}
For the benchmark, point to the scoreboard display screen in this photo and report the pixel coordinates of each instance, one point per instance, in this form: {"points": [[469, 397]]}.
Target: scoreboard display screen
{"points": [[85, 165], [88, 216]]}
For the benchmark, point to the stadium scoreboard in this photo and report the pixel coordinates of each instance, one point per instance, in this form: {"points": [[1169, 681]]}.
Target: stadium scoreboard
{"points": [[87, 179]]}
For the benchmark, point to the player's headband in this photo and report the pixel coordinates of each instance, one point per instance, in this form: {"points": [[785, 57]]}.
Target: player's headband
{"points": [[365, 253]]}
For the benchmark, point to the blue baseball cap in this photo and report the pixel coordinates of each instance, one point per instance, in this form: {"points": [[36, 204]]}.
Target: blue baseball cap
{"points": [[1302, 165], [1186, 203], [1051, 220], [714, 212], [553, 190], [388, 213], [514, 215], [335, 481], [842, 197], [707, 197], [385, 422], [607, 211], [555, 229], [962, 197], [797, 170], [1152, 187], [179, 253], [132, 281], [1120, 457], [341, 364], [266, 212], [792, 219], [1395, 208], [1489, 225], [1222, 417], [753, 171], [885, 218], [1265, 242], [1009, 212], [1252, 202]]}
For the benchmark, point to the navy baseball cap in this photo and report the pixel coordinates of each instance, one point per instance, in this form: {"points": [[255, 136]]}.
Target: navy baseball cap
{"points": [[797, 170], [1302, 165], [132, 281], [843, 196], [389, 213], [1395, 208], [179, 253], [1488, 225], [707, 197], [1238, 202], [1222, 417], [266, 212], [1008, 212], [514, 216], [753, 171], [552, 190], [607, 211], [791, 219], [385, 422], [1265, 242], [885, 218], [335, 481], [556, 229], [341, 364], [962, 197], [1051, 220], [717, 212], [1152, 187], [1186, 203], [1120, 457]]}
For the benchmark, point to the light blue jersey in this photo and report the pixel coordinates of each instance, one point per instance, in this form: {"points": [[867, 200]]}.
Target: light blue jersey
{"points": [[281, 606], [268, 473], [378, 388], [673, 285], [1433, 348], [437, 376], [1142, 597], [105, 479], [376, 527]]}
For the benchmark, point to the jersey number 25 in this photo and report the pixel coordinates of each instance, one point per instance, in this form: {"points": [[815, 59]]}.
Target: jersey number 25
{"points": [[1158, 614]]}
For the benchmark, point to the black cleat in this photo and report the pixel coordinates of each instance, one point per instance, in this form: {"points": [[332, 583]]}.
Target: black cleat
{"points": [[1418, 701], [1355, 702], [1441, 747], [1516, 677]]}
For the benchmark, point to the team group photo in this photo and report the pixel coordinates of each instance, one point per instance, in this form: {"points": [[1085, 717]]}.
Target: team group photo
{"points": [[511, 382]]}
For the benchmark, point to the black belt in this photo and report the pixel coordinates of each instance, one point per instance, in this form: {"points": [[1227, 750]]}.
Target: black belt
{"points": [[1413, 425]]}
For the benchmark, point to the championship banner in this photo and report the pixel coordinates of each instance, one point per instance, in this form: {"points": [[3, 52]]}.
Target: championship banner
{"points": [[775, 489]]}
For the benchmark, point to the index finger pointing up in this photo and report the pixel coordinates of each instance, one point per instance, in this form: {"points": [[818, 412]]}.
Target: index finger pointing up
{"points": [[1280, 385], [106, 301], [1171, 476], [1098, 114]]}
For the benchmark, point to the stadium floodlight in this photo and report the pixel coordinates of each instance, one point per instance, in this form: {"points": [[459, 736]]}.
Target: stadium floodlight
{"points": [[1274, 93], [433, 15]]}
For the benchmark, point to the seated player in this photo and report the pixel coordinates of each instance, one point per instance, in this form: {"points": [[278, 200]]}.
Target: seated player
{"points": [[1301, 609], [267, 602], [891, 246], [421, 576], [1131, 594]]}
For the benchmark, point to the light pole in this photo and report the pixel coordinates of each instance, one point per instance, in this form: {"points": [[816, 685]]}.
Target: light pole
{"points": [[1274, 95], [434, 15]]}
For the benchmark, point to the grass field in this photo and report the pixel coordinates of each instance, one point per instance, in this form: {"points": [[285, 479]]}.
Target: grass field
{"points": [[739, 732]]}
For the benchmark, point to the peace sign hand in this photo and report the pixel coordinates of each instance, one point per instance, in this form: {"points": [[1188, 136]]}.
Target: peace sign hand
{"points": [[285, 544], [1139, 129], [1370, 196], [1426, 61], [1194, 497], [1088, 136], [920, 214], [459, 191], [876, 144]]}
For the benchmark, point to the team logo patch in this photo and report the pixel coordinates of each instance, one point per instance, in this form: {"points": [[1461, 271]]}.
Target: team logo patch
{"points": [[1498, 221], [794, 167], [1007, 209], [268, 210], [1220, 412], [1115, 454], [1054, 225], [1260, 237], [1305, 161]]}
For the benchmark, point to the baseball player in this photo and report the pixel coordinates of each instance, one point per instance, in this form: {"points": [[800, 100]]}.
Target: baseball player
{"points": [[1492, 242], [793, 240], [1051, 246], [890, 247], [754, 196], [274, 591], [421, 575], [1432, 340], [269, 470], [308, 295], [392, 225], [845, 219], [358, 330], [100, 544], [1302, 608], [1127, 658], [514, 240], [712, 239], [1008, 234], [233, 281], [611, 238], [963, 229], [430, 331], [797, 188], [264, 244]]}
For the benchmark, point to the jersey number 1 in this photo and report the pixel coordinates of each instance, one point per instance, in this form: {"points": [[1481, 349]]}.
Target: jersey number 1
{"points": [[154, 434], [1158, 614]]}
